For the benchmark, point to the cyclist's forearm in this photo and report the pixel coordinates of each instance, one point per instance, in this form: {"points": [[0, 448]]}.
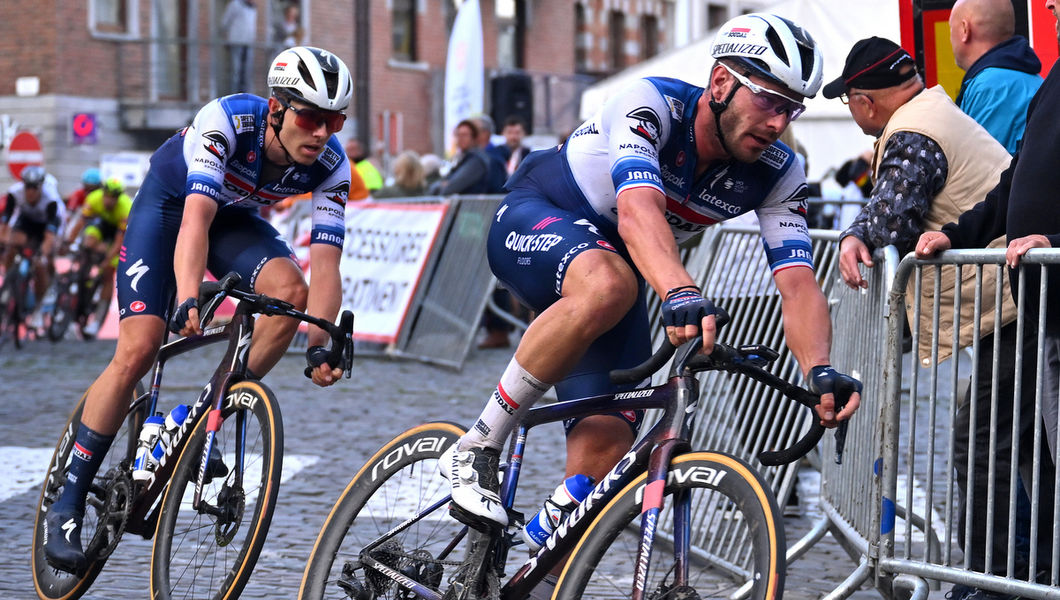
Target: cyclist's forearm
{"points": [[189, 261], [643, 227], [807, 324], [325, 289]]}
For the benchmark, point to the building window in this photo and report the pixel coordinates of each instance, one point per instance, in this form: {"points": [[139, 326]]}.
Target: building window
{"points": [[581, 34], [717, 14], [403, 30], [114, 17], [649, 45], [616, 28], [511, 33]]}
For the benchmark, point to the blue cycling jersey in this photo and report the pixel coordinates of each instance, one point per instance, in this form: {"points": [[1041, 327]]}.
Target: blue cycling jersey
{"points": [[222, 153]]}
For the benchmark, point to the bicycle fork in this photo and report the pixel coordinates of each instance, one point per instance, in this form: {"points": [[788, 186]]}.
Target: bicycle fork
{"points": [[651, 508]]}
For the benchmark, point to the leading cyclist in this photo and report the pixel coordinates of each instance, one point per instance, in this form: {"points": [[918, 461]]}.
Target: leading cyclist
{"points": [[102, 218], [585, 226], [33, 215], [198, 209]]}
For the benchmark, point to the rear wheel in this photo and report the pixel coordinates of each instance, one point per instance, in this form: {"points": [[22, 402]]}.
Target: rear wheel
{"points": [[106, 487], [64, 308], [210, 552], [399, 482], [735, 537]]}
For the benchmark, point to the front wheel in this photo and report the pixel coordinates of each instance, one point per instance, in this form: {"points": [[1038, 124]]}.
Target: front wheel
{"points": [[210, 551], [63, 310], [100, 513], [398, 483], [735, 537]]}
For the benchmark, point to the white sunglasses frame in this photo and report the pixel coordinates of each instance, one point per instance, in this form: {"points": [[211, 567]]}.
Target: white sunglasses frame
{"points": [[756, 89]]}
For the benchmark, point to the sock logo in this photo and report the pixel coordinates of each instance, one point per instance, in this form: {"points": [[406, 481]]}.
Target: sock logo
{"points": [[482, 428], [81, 452], [69, 528], [505, 401]]}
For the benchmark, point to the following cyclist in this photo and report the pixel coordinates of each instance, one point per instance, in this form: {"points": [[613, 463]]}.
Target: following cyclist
{"points": [[91, 180], [103, 219], [198, 209], [585, 227], [32, 216]]}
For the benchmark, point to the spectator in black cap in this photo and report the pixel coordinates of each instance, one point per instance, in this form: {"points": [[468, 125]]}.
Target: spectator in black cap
{"points": [[932, 162]]}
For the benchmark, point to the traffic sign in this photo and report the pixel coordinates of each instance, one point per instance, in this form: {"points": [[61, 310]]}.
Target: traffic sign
{"points": [[25, 150]]}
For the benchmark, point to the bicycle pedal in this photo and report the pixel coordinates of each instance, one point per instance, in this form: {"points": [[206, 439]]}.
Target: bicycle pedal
{"points": [[474, 521]]}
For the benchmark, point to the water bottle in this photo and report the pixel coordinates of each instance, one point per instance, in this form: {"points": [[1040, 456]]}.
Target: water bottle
{"points": [[174, 420], [569, 494], [144, 463]]}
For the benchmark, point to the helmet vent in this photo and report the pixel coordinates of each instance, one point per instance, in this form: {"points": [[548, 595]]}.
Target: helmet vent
{"points": [[307, 77], [778, 45]]}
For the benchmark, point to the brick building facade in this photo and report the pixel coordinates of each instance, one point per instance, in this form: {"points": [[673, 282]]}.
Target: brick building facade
{"points": [[142, 68]]}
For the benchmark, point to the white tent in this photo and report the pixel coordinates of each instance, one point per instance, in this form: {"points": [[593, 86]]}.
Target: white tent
{"points": [[826, 129]]}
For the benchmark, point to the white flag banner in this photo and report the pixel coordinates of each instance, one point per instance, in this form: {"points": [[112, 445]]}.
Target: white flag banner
{"points": [[383, 257], [464, 71]]}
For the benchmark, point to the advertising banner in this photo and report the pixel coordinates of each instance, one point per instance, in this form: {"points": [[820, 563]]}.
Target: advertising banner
{"points": [[386, 249]]}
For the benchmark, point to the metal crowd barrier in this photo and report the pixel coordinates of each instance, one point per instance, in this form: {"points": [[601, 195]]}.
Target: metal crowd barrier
{"points": [[896, 507], [736, 414]]}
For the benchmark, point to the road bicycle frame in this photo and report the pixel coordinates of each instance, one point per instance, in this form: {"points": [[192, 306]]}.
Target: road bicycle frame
{"points": [[667, 438]]}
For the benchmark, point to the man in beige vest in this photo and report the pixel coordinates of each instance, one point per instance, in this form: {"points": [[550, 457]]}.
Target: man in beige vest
{"points": [[932, 162]]}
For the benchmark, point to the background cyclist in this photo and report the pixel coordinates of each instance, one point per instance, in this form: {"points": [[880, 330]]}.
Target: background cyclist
{"points": [[102, 219], [91, 180], [198, 209], [586, 226], [32, 216]]}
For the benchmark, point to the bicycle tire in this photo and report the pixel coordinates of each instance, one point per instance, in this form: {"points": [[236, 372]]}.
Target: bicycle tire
{"points": [[198, 555], [12, 310], [63, 311], [396, 483], [742, 539], [51, 583]]}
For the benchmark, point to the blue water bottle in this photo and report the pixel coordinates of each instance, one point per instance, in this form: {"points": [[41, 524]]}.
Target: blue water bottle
{"points": [[569, 494], [144, 465], [173, 421]]}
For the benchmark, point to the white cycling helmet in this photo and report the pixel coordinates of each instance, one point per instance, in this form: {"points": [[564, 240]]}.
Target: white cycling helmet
{"points": [[773, 48], [311, 75]]}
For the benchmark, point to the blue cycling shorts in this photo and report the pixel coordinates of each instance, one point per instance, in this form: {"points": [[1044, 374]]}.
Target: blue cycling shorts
{"points": [[240, 240], [531, 242]]}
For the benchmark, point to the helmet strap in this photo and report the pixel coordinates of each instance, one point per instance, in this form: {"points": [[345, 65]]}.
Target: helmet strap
{"points": [[276, 122], [718, 107]]}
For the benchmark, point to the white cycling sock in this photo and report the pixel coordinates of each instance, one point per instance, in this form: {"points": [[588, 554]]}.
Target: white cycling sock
{"points": [[517, 391]]}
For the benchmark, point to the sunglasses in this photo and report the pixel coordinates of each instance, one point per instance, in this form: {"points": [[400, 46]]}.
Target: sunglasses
{"points": [[767, 100], [311, 119]]}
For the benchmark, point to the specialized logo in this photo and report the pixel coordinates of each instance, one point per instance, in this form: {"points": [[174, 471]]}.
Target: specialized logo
{"points": [[69, 527], [216, 144], [742, 49], [543, 223], [136, 271], [646, 124], [505, 401]]}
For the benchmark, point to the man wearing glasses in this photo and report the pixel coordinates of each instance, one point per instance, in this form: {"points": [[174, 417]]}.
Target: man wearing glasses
{"points": [[198, 209], [587, 227]]}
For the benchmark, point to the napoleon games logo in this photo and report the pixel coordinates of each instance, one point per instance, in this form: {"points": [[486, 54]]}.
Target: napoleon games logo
{"points": [[646, 124], [338, 193], [216, 144]]}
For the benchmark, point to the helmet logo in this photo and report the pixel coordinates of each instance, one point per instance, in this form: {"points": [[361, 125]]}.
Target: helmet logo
{"points": [[645, 123], [739, 49]]}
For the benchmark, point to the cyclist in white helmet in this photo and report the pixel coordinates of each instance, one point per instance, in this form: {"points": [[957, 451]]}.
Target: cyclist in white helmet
{"points": [[198, 209], [588, 228]]}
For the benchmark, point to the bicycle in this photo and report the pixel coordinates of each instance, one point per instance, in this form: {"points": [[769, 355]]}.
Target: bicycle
{"points": [[15, 302], [76, 296], [208, 526], [389, 536]]}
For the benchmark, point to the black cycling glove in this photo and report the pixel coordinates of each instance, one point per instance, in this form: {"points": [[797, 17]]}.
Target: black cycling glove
{"points": [[316, 356], [686, 306], [826, 380], [180, 316]]}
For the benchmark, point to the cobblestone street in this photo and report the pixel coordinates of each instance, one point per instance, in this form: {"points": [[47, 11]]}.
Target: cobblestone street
{"points": [[328, 433]]}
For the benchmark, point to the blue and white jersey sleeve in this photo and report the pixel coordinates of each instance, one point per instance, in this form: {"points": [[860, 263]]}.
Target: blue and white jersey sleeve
{"points": [[782, 217], [329, 199], [208, 146], [636, 124]]}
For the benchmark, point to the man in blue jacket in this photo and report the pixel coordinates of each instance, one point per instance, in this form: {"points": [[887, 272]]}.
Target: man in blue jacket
{"points": [[1001, 70]]}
